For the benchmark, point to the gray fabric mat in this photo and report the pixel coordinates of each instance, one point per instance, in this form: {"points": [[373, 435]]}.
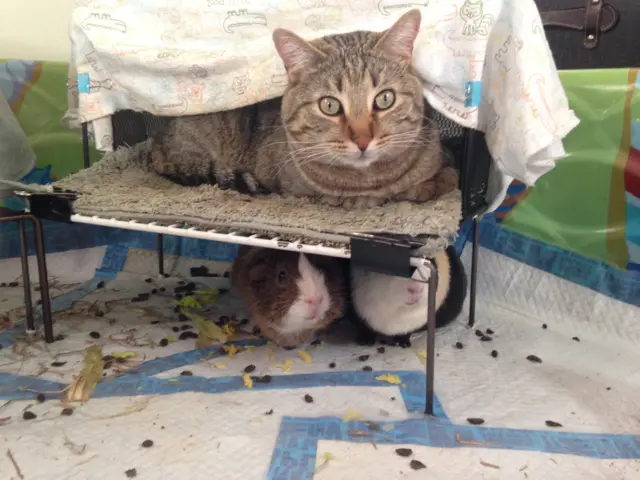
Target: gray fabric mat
{"points": [[120, 186]]}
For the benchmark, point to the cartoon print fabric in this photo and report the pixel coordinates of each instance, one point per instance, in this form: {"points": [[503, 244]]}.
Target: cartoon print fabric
{"points": [[484, 63]]}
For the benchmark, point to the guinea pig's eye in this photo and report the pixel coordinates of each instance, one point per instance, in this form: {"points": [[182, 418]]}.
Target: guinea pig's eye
{"points": [[282, 277], [330, 106]]}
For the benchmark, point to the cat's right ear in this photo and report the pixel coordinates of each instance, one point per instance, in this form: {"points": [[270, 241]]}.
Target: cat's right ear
{"points": [[297, 54], [398, 40]]}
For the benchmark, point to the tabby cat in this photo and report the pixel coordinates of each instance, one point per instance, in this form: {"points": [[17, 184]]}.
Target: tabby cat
{"points": [[351, 128]]}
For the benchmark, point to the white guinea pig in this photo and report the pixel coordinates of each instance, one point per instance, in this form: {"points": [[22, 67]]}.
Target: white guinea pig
{"points": [[291, 296], [397, 307]]}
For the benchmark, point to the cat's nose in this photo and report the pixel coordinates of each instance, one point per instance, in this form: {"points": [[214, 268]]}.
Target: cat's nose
{"points": [[362, 142]]}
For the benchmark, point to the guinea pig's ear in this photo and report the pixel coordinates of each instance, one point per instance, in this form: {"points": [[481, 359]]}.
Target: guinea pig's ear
{"points": [[258, 272]]}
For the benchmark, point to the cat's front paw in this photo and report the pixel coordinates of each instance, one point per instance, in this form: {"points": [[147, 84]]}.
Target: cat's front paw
{"points": [[351, 203], [361, 202], [420, 193]]}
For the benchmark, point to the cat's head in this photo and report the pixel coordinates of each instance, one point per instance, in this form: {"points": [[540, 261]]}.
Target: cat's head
{"points": [[352, 99]]}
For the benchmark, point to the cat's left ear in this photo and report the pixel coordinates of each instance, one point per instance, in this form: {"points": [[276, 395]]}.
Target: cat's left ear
{"points": [[398, 40], [297, 54]]}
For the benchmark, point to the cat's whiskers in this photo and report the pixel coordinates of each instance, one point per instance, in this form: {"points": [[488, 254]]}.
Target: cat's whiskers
{"points": [[285, 142], [310, 152], [406, 139]]}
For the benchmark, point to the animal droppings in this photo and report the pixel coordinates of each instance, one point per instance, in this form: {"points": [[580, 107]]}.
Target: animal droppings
{"points": [[475, 421], [404, 452], [552, 424]]}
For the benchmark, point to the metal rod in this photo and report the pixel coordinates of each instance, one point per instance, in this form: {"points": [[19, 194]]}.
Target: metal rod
{"points": [[26, 280], [431, 339], [85, 145], [44, 279], [474, 272], [160, 254]]}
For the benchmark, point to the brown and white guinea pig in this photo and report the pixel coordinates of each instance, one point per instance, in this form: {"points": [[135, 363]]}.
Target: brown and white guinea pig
{"points": [[291, 296], [396, 307]]}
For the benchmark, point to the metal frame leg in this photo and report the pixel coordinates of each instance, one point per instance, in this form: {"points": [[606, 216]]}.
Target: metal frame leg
{"points": [[85, 145], [44, 279], [160, 254], [430, 369], [474, 272], [26, 280]]}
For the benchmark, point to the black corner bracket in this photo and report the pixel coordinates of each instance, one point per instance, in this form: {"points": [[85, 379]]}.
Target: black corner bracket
{"points": [[57, 206], [380, 254]]}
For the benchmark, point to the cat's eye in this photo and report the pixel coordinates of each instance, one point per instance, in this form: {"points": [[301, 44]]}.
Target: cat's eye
{"points": [[330, 106], [384, 100], [282, 277]]}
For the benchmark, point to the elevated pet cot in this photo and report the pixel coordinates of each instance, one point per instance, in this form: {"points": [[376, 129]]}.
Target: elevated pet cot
{"points": [[384, 252], [106, 84]]}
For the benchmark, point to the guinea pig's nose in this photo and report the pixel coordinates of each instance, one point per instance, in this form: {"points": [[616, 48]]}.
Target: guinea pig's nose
{"points": [[317, 300], [415, 288], [314, 305]]}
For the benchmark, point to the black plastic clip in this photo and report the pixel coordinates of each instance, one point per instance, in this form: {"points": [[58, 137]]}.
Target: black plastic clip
{"points": [[57, 206], [381, 254]]}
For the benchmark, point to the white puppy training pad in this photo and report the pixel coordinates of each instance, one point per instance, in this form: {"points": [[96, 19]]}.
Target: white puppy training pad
{"points": [[209, 424], [484, 63]]}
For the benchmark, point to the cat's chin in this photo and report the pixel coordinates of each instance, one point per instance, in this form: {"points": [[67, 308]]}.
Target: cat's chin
{"points": [[360, 162]]}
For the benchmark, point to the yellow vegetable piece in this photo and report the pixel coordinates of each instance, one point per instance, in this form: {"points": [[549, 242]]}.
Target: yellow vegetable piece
{"points": [[248, 348], [220, 366], [306, 358], [171, 338], [283, 367], [208, 332], [422, 356], [208, 297], [392, 379], [327, 456], [248, 381], [351, 415], [288, 362], [83, 385], [231, 350], [124, 355], [189, 302], [229, 329]]}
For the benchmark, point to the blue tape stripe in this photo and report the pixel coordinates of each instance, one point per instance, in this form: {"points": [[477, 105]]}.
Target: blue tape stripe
{"points": [[143, 382], [597, 276], [58, 237], [295, 453]]}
